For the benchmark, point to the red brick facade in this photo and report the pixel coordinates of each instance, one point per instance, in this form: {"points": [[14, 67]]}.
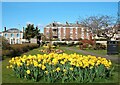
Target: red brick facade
{"points": [[79, 33], [62, 35], [67, 33], [74, 34]]}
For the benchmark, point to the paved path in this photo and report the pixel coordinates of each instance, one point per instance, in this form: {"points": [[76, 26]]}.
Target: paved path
{"points": [[112, 58]]}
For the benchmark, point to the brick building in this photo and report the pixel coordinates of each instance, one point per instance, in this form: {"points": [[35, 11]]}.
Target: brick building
{"points": [[68, 31]]}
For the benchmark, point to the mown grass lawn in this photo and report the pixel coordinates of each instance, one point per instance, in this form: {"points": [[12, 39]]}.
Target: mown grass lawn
{"points": [[9, 77], [101, 52]]}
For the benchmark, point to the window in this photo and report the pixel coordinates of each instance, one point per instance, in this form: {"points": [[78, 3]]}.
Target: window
{"points": [[11, 35], [5, 35], [17, 35], [17, 41], [11, 41]]}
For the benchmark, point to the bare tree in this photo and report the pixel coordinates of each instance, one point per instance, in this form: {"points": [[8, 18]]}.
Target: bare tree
{"points": [[97, 23]]}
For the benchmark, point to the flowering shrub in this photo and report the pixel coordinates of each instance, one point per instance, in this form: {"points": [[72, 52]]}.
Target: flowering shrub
{"points": [[61, 67], [51, 49]]}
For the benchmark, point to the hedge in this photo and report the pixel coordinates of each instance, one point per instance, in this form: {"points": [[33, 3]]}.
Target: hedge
{"points": [[18, 49]]}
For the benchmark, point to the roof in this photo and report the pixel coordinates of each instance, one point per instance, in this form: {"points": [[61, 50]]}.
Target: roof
{"points": [[13, 30], [58, 24]]}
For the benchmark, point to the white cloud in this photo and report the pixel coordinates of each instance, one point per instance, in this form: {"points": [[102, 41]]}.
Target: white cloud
{"points": [[29, 22], [40, 25], [59, 22]]}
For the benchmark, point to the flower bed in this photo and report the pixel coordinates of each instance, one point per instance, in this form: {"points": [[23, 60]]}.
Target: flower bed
{"points": [[61, 67], [52, 51]]}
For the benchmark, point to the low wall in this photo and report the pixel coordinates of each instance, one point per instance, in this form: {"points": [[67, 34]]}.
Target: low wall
{"points": [[102, 42], [64, 41]]}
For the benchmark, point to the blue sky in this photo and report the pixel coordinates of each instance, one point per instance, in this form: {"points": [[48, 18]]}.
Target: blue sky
{"points": [[18, 14]]}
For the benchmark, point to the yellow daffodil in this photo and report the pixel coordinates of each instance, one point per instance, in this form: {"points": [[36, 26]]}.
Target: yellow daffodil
{"points": [[54, 59], [43, 67], [64, 70], [46, 72], [28, 71], [58, 69], [35, 64], [91, 67], [11, 66], [71, 69], [39, 65], [62, 62], [7, 66]]}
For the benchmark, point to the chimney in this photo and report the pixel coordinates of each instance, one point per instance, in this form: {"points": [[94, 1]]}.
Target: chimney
{"points": [[4, 28], [66, 22], [54, 24]]}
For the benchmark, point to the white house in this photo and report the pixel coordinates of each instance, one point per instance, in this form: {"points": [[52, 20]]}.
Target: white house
{"points": [[13, 35]]}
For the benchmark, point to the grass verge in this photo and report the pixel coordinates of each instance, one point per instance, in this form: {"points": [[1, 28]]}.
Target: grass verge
{"points": [[9, 77]]}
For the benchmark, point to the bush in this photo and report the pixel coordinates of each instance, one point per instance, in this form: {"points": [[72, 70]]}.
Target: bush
{"points": [[119, 46], [90, 46], [7, 52], [25, 48], [32, 46], [70, 44], [60, 43], [5, 43], [84, 46], [91, 42], [79, 39], [55, 44], [43, 43], [103, 47], [18, 49], [80, 43], [99, 46]]}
